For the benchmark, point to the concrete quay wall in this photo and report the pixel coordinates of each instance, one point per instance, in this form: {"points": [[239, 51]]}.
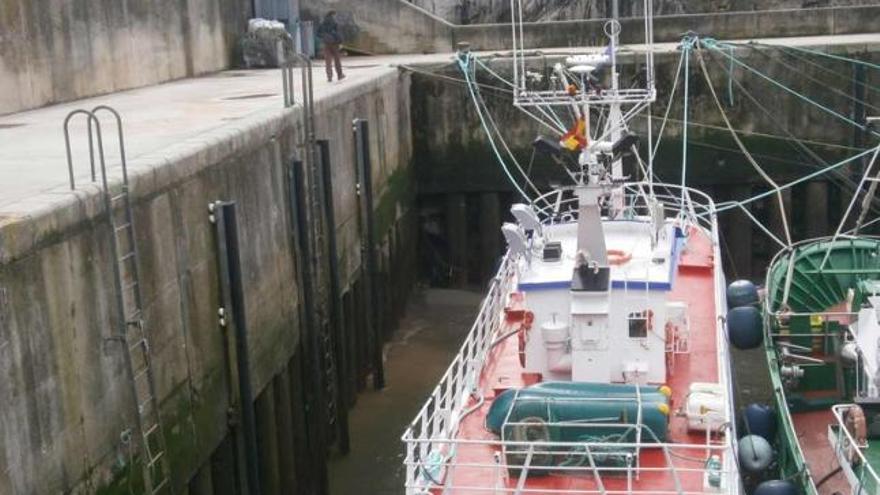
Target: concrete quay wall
{"points": [[670, 28], [396, 26], [385, 26], [66, 399], [54, 51]]}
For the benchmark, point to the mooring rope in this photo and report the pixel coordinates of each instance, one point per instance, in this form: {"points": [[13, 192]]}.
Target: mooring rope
{"points": [[464, 62], [495, 127], [745, 152], [720, 48]]}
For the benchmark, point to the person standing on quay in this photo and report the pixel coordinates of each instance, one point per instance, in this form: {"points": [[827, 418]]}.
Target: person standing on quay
{"points": [[328, 33]]}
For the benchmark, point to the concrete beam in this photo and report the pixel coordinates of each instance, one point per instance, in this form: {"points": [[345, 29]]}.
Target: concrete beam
{"points": [[816, 209], [668, 28]]}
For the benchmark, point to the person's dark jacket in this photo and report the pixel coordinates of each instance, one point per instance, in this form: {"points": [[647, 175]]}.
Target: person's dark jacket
{"points": [[328, 31]]}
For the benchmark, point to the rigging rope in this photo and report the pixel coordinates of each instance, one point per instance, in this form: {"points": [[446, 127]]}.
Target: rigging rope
{"points": [[668, 107], [728, 205], [491, 120], [743, 149], [852, 203], [686, 45], [812, 79], [831, 56], [838, 177], [718, 47], [804, 59], [556, 126], [464, 62]]}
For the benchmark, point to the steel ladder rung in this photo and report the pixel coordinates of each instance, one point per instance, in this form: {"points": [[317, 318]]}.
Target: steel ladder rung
{"points": [[154, 460], [162, 485], [141, 372], [127, 256], [140, 342], [142, 406], [118, 196], [123, 226], [135, 318], [151, 430], [130, 286]]}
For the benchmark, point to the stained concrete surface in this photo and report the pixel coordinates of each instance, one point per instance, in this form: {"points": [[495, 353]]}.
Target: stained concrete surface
{"points": [[430, 334], [53, 51], [33, 166], [61, 427]]}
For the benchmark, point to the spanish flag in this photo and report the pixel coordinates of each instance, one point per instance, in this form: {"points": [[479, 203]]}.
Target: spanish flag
{"points": [[576, 138]]}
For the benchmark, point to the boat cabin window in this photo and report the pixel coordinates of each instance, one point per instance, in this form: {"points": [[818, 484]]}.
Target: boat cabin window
{"points": [[638, 325]]}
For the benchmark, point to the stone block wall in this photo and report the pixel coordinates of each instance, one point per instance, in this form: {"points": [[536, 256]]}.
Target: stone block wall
{"points": [[54, 51]]}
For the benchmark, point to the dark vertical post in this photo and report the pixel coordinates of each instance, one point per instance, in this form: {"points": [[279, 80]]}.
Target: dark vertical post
{"points": [[201, 482], [776, 215], [348, 321], [224, 466], [490, 233], [335, 299], [316, 404], [816, 207], [859, 115], [284, 425], [456, 231], [305, 476], [368, 244], [738, 234], [235, 442], [267, 441], [226, 214]]}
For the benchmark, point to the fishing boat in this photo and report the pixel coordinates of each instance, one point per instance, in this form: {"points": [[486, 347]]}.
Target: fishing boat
{"points": [[820, 313], [598, 362]]}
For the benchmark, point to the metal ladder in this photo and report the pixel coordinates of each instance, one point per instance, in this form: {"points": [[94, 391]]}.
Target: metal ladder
{"points": [[129, 301], [292, 61], [319, 251]]}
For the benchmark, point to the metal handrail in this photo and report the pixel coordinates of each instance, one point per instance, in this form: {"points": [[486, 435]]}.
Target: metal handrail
{"points": [[555, 206], [95, 136], [291, 60], [682, 461], [439, 416]]}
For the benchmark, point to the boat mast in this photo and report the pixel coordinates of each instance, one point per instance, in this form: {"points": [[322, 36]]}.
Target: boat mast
{"points": [[615, 118]]}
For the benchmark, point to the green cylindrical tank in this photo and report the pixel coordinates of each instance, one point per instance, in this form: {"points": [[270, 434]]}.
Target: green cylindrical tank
{"points": [[599, 408]]}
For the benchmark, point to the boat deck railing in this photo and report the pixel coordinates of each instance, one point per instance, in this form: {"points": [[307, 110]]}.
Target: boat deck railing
{"points": [[439, 417], [473, 466], [561, 205], [438, 461], [850, 453]]}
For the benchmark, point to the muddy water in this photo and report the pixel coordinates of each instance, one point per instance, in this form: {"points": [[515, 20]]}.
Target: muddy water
{"points": [[430, 334]]}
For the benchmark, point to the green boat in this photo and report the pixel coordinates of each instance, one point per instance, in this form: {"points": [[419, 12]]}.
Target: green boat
{"points": [[822, 340]]}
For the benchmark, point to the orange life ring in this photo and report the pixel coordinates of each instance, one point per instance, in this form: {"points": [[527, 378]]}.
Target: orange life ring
{"points": [[618, 257]]}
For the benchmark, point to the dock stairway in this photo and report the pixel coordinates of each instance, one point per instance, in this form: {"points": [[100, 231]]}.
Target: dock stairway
{"points": [[131, 328]]}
